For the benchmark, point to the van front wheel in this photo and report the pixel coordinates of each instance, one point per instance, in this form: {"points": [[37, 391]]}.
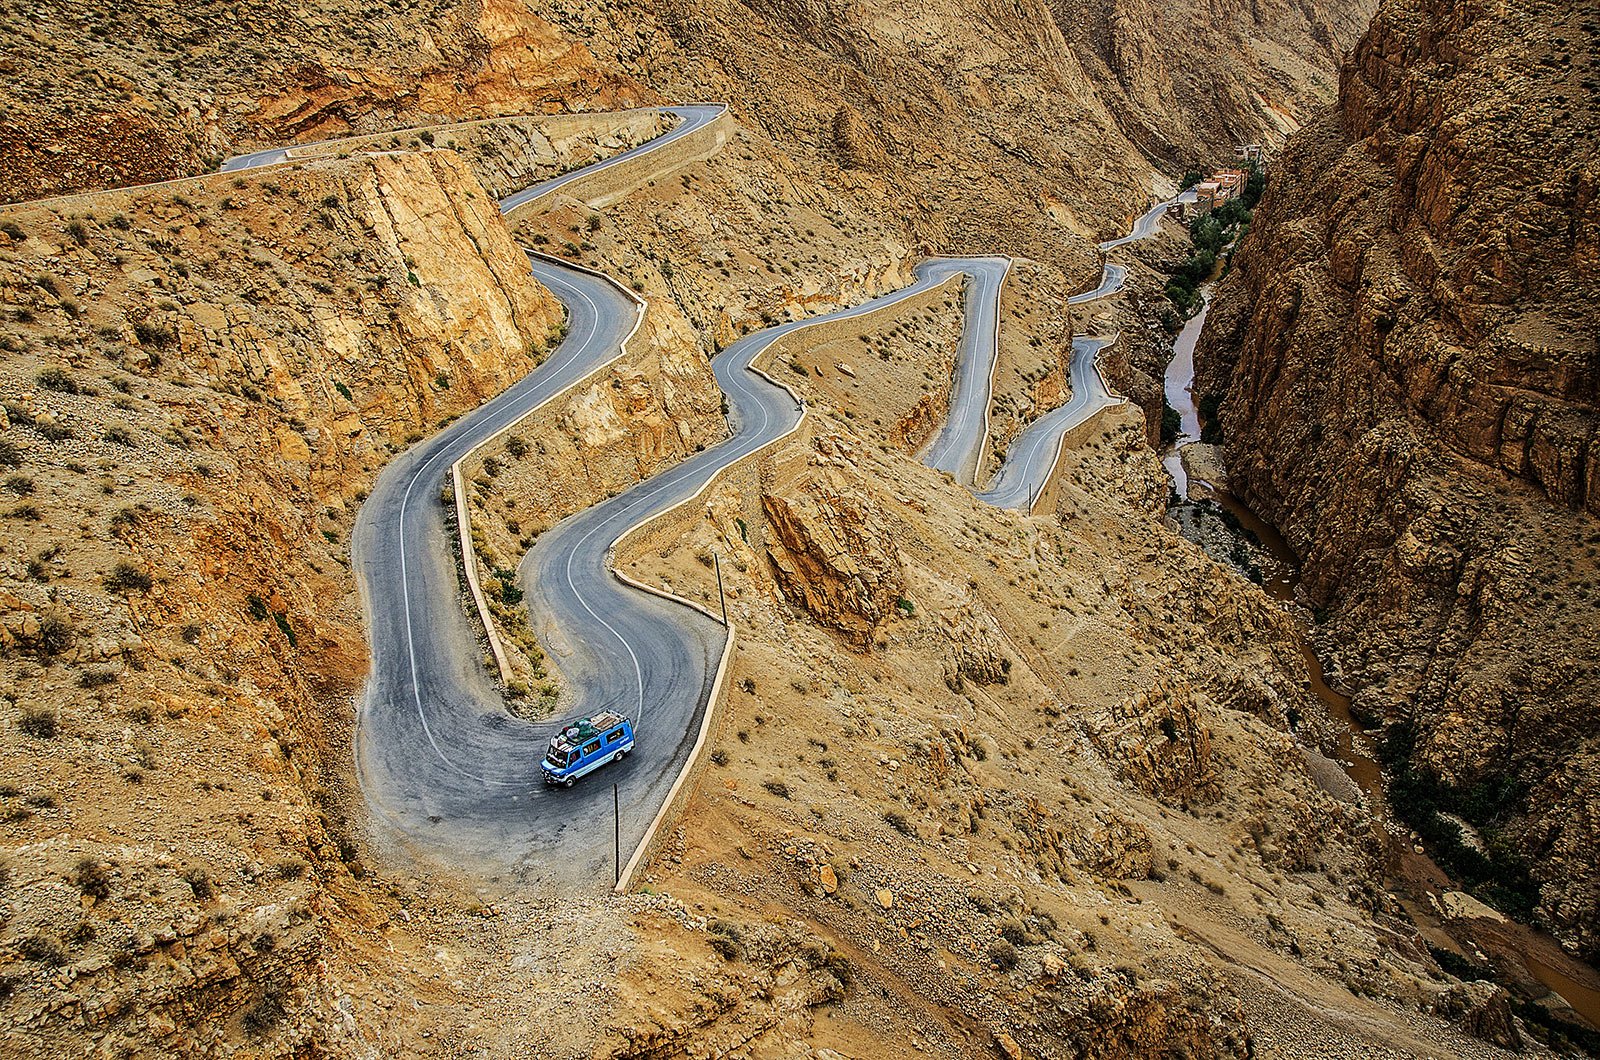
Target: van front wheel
{"points": [[569, 782], [619, 756]]}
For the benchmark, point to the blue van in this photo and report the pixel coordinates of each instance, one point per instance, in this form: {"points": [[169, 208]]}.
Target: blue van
{"points": [[585, 745]]}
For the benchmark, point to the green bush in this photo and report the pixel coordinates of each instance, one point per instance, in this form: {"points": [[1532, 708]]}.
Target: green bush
{"points": [[1497, 874], [1171, 424], [126, 577], [57, 379], [1210, 408], [154, 333], [44, 949], [97, 678]]}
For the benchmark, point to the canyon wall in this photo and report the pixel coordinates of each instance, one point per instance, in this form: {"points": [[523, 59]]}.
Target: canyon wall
{"points": [[1409, 346], [1265, 67]]}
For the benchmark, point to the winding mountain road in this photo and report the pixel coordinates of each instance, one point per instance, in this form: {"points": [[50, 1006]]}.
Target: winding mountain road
{"points": [[1112, 277], [437, 752], [958, 446], [439, 759], [691, 117], [1032, 455], [1146, 225]]}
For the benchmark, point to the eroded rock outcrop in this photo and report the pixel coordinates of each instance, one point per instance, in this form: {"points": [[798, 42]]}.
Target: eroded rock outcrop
{"points": [[1160, 739], [833, 555], [977, 650]]}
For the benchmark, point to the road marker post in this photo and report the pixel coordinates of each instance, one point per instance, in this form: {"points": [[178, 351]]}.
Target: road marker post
{"points": [[717, 559], [616, 843]]}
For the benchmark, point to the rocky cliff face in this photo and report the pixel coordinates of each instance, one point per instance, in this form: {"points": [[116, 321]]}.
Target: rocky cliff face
{"points": [[831, 554], [1410, 352], [1265, 65]]}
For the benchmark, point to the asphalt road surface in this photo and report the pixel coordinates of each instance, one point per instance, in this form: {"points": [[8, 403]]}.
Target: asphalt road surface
{"points": [[691, 117], [1146, 225], [1112, 277], [440, 761], [618, 647], [958, 447], [1031, 456], [438, 756]]}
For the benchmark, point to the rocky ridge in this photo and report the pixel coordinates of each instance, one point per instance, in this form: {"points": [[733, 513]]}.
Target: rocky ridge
{"points": [[164, 90]]}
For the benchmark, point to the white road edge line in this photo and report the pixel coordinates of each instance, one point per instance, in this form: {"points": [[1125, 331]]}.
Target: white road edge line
{"points": [[464, 516]]}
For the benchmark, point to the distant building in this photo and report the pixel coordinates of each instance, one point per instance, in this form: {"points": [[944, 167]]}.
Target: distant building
{"points": [[1232, 181], [1250, 153], [1219, 188]]}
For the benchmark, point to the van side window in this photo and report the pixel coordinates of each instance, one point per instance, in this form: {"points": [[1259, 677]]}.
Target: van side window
{"points": [[591, 748], [614, 737]]}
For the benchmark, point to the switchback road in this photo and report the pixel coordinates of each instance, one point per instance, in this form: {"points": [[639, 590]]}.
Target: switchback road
{"points": [[440, 760]]}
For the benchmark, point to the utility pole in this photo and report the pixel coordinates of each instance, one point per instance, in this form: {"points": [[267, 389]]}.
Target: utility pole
{"points": [[616, 851], [720, 594]]}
